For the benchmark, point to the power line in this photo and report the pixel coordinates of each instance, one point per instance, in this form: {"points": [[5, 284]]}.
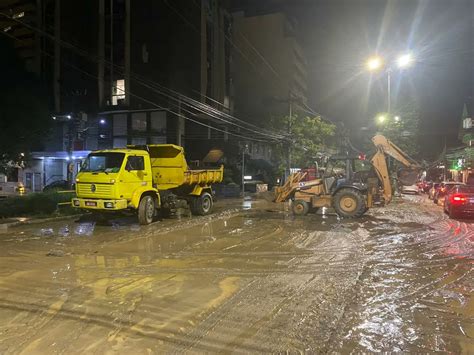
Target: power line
{"points": [[142, 82], [146, 100]]}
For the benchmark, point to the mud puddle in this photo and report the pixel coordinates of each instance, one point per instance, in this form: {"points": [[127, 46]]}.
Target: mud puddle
{"points": [[249, 278]]}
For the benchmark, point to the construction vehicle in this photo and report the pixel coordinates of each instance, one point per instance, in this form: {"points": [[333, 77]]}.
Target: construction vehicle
{"points": [[350, 191], [146, 179]]}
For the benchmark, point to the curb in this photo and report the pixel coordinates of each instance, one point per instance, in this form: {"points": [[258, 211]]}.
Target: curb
{"points": [[38, 220]]}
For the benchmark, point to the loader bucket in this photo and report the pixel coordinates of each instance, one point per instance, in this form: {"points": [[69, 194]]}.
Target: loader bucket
{"points": [[283, 193], [408, 177]]}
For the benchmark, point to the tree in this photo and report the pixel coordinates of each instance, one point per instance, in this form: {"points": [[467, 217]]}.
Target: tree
{"points": [[309, 137], [402, 128], [24, 114]]}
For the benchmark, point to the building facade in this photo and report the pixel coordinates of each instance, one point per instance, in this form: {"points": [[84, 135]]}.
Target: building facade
{"points": [[271, 66], [124, 72]]}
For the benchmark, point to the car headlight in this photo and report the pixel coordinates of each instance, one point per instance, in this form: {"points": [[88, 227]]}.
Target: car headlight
{"points": [[76, 203], [109, 205]]}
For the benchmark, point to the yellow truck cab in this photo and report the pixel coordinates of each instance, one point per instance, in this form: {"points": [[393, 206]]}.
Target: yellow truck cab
{"points": [[145, 179]]}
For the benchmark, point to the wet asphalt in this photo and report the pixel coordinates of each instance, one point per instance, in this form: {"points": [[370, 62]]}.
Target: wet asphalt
{"points": [[251, 277]]}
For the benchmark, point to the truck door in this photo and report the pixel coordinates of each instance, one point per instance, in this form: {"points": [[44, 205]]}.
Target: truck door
{"points": [[134, 175]]}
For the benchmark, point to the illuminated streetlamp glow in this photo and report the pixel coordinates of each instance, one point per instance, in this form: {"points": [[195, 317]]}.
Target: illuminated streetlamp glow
{"points": [[404, 60], [397, 118], [381, 118], [374, 63]]}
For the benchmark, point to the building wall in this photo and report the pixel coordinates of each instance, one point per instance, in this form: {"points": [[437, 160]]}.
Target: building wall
{"points": [[29, 44], [262, 88]]}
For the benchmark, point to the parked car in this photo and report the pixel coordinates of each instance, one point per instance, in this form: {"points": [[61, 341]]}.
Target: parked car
{"points": [[432, 190], [58, 185], [459, 201], [425, 186], [411, 189], [443, 189]]}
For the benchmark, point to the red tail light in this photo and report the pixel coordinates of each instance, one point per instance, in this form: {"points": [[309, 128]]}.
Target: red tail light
{"points": [[458, 199]]}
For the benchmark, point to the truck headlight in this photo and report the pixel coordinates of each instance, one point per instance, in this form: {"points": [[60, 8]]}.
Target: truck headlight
{"points": [[112, 181], [76, 203], [109, 205]]}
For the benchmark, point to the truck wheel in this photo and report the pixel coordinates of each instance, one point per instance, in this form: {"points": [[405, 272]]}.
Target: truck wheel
{"points": [[146, 210], [201, 205], [349, 203], [300, 207]]}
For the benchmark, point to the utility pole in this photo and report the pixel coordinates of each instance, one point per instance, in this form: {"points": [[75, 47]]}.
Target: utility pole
{"points": [[57, 56], [389, 100], [111, 88], [244, 150], [290, 115], [127, 59], [101, 51]]}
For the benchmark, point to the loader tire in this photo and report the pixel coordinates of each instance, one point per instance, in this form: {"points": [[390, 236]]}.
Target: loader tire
{"points": [[202, 205], [146, 210], [300, 207], [349, 203]]}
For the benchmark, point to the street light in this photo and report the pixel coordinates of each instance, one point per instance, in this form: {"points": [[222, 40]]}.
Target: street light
{"points": [[374, 63], [381, 118], [397, 118], [405, 60]]}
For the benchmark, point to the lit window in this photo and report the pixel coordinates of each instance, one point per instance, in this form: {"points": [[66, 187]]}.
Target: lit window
{"points": [[19, 15], [118, 91]]}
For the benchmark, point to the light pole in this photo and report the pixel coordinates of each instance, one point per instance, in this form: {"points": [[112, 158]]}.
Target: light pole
{"points": [[375, 63], [244, 151]]}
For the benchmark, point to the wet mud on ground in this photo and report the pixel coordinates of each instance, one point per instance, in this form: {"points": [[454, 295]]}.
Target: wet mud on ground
{"points": [[251, 277]]}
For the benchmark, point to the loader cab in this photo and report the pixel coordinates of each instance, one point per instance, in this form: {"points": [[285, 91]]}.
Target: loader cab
{"points": [[338, 170], [346, 170]]}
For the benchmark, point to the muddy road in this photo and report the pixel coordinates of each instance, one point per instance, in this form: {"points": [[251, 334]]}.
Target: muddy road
{"points": [[249, 278]]}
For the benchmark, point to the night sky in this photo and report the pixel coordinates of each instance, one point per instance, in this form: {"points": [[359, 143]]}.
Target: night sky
{"points": [[339, 35]]}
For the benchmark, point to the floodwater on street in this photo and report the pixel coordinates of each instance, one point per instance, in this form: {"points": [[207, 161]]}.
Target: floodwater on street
{"points": [[251, 277]]}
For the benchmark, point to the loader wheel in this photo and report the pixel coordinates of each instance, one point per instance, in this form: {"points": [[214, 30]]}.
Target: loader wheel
{"points": [[300, 207], [146, 210], [349, 203], [201, 205]]}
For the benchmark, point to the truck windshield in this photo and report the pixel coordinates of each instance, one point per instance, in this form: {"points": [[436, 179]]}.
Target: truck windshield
{"points": [[103, 162]]}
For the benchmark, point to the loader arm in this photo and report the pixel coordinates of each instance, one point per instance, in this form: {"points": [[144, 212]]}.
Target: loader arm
{"points": [[385, 146], [284, 192]]}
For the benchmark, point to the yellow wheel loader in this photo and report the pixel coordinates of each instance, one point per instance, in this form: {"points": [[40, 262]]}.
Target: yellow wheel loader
{"points": [[350, 185]]}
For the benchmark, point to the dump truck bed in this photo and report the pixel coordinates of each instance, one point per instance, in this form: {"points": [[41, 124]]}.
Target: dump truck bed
{"points": [[200, 177], [170, 169]]}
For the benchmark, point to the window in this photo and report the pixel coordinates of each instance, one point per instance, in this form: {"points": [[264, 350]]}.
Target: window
{"points": [[118, 92], [103, 162], [120, 125], [158, 121], [138, 141], [139, 121], [120, 142], [158, 140], [135, 163]]}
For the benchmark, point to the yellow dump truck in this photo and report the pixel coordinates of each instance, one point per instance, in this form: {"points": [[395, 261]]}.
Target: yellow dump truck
{"points": [[146, 179]]}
